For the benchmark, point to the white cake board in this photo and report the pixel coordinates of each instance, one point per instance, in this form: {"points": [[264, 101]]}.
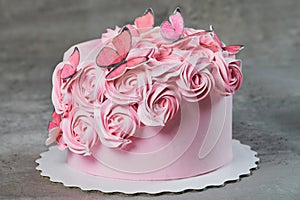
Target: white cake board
{"points": [[53, 164]]}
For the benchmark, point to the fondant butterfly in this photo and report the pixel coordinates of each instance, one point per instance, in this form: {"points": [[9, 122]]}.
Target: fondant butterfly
{"points": [[172, 30], [69, 69], [230, 48], [116, 59]]}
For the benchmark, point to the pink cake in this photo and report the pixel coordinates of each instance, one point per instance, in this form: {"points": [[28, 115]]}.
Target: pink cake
{"points": [[145, 102]]}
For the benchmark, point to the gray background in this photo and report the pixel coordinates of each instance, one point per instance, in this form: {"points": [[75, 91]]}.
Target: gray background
{"points": [[34, 35]]}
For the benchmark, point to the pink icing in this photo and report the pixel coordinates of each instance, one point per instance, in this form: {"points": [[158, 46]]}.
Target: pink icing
{"points": [[227, 73], [195, 85], [160, 105], [115, 123], [88, 88], [79, 132], [142, 110], [128, 89], [171, 153]]}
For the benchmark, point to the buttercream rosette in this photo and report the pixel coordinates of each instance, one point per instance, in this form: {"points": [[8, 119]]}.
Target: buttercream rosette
{"points": [[136, 76]]}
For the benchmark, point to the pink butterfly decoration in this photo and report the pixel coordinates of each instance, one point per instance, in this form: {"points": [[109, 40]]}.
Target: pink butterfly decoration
{"points": [[142, 24], [146, 22], [53, 128], [234, 49], [173, 29], [116, 59], [69, 69]]}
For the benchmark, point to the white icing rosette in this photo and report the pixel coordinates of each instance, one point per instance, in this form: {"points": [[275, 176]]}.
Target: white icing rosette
{"points": [[115, 123], [88, 87], [160, 105], [79, 131]]}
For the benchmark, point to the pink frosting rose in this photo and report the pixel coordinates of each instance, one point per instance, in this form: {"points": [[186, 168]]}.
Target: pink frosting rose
{"points": [[88, 87], [227, 74], [166, 72], [195, 82], [160, 105], [235, 73], [165, 67], [79, 132], [61, 97], [153, 36], [115, 123], [127, 89], [208, 41]]}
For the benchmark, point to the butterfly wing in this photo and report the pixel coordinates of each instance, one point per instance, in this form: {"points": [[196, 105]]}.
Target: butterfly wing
{"points": [[69, 70], [53, 128], [119, 70], [233, 48], [173, 29], [75, 57], [167, 31], [214, 35], [177, 21], [133, 31], [136, 61], [53, 131], [107, 57], [56, 118], [122, 43], [145, 22], [116, 72], [51, 125]]}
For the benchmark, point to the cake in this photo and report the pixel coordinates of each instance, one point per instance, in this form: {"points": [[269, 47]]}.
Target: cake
{"points": [[146, 102]]}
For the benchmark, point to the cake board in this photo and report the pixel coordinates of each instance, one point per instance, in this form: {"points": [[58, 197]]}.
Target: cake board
{"points": [[53, 164]]}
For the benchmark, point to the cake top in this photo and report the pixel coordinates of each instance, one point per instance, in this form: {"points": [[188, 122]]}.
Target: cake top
{"points": [[136, 76]]}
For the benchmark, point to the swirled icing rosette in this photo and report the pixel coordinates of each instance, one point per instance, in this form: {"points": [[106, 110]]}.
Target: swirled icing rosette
{"points": [[135, 76], [79, 132], [160, 105], [227, 73], [194, 84], [88, 88], [128, 89], [115, 123]]}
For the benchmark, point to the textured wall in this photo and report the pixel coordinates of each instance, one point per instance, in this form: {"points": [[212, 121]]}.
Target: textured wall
{"points": [[34, 34]]}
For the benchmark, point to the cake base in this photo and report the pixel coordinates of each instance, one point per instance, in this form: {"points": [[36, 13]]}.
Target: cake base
{"points": [[53, 164]]}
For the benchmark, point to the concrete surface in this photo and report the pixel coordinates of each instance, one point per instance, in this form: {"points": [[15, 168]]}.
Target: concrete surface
{"points": [[34, 34]]}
